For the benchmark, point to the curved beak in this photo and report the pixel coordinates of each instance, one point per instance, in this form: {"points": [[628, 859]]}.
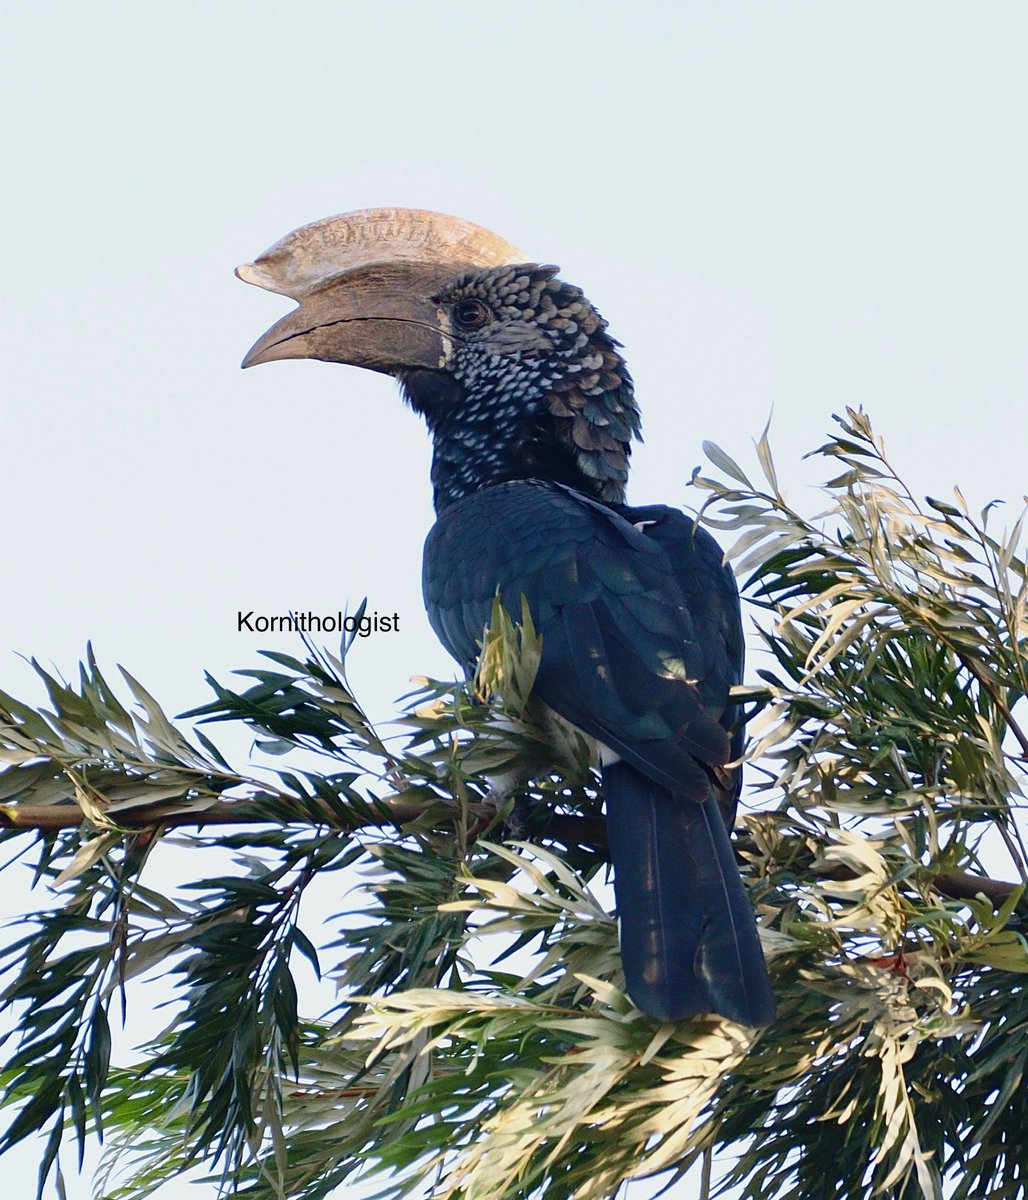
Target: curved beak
{"points": [[380, 317]]}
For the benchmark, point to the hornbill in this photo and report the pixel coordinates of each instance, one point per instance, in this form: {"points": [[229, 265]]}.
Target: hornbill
{"points": [[531, 411]]}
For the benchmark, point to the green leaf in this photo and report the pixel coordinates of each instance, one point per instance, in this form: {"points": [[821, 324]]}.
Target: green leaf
{"points": [[722, 461]]}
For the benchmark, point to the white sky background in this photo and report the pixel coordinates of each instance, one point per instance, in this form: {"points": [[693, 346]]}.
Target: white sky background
{"points": [[776, 205]]}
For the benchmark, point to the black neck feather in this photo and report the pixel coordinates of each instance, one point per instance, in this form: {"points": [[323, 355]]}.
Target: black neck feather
{"points": [[489, 439]]}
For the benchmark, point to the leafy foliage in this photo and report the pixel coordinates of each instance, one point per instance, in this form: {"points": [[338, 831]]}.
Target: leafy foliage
{"points": [[481, 1039]]}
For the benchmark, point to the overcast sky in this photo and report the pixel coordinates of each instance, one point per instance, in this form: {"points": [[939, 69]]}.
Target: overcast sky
{"points": [[778, 206]]}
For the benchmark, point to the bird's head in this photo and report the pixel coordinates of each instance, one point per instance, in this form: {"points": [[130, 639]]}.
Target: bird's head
{"points": [[512, 368]]}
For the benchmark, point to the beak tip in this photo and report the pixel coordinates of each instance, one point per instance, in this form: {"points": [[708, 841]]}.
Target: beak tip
{"points": [[256, 355]]}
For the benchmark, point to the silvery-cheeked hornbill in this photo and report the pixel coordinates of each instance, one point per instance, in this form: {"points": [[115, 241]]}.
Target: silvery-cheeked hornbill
{"points": [[531, 411]]}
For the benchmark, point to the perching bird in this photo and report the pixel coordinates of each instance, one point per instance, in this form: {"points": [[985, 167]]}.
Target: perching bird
{"points": [[532, 412]]}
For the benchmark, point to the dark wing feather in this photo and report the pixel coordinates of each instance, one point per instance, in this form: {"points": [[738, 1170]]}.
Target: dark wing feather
{"points": [[621, 657], [710, 591]]}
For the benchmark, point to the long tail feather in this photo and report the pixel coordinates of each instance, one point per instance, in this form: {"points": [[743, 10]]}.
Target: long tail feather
{"points": [[688, 939]]}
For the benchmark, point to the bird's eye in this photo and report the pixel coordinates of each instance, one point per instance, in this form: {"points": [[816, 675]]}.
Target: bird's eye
{"points": [[471, 314]]}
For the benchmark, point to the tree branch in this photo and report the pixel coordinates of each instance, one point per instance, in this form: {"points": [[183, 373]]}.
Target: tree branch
{"points": [[563, 827], [49, 818]]}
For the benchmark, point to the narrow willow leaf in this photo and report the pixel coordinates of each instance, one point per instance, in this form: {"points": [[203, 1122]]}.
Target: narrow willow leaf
{"points": [[766, 459], [86, 855], [721, 460]]}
